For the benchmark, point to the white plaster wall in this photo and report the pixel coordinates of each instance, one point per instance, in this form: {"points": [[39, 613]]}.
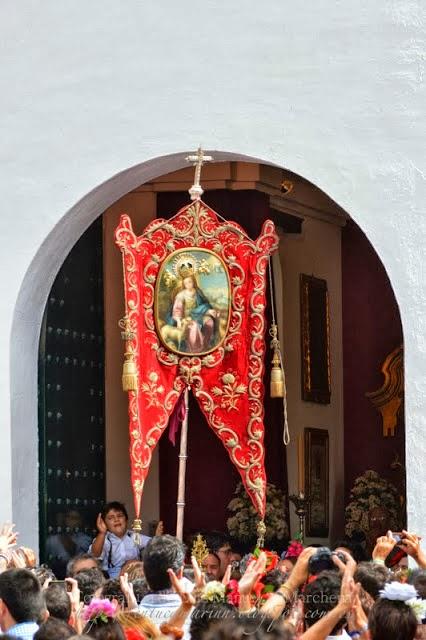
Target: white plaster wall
{"points": [[331, 90]]}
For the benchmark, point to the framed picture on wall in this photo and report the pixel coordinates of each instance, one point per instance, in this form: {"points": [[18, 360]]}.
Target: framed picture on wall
{"points": [[315, 339], [317, 482]]}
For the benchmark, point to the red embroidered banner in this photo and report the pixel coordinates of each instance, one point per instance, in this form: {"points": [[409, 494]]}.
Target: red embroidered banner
{"points": [[195, 299]]}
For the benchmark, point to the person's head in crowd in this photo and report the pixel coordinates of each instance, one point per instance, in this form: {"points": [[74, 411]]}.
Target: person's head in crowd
{"points": [[320, 597], [205, 614], [57, 600], [355, 549], [54, 629], [392, 619], [418, 580], [101, 622], [133, 568], [90, 583], [21, 598], [274, 578], [219, 544], [140, 588], [111, 589], [115, 516], [43, 573], [142, 624], [343, 545], [160, 554], [80, 563], [372, 577], [211, 566], [256, 627]]}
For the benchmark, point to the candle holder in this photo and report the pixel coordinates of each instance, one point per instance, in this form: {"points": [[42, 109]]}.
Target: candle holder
{"points": [[300, 502]]}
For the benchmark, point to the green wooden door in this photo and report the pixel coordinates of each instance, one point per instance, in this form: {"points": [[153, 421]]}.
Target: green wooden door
{"points": [[71, 404]]}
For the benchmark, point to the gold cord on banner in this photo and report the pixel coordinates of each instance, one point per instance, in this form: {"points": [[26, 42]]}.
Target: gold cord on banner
{"points": [[278, 385]]}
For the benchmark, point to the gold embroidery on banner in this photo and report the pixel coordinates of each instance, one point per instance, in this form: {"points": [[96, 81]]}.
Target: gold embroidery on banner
{"points": [[230, 392], [152, 390]]}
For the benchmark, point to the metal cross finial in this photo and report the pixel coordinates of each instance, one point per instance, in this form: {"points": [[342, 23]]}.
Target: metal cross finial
{"points": [[196, 191]]}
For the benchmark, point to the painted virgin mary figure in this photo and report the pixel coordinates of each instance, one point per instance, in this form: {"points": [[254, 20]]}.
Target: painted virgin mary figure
{"points": [[193, 316]]}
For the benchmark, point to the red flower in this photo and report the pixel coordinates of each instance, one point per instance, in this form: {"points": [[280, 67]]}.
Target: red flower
{"points": [[294, 549], [232, 593]]}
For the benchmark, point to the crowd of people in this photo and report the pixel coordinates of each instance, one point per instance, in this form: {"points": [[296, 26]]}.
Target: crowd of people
{"points": [[122, 589]]}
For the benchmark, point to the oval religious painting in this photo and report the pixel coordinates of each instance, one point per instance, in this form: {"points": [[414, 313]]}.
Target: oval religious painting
{"points": [[192, 301]]}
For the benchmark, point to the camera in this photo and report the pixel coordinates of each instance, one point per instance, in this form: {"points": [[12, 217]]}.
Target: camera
{"points": [[322, 561]]}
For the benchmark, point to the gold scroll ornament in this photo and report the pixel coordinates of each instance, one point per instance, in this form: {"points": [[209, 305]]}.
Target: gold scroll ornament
{"points": [[389, 398]]}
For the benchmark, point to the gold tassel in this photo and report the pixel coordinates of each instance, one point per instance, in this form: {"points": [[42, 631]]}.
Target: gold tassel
{"points": [[137, 529], [261, 531], [130, 373], [277, 375]]}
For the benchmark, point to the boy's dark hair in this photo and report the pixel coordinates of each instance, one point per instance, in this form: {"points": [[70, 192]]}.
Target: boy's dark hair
{"points": [[140, 588], [21, 592], [215, 540], [205, 614], [58, 603], [392, 620], [73, 561], [372, 577], [54, 629], [117, 506], [89, 581], [162, 553], [112, 589], [354, 547], [320, 597]]}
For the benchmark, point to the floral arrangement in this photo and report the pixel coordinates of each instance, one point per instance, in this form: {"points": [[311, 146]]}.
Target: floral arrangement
{"points": [[214, 591], [242, 525], [99, 611], [371, 491], [294, 550]]}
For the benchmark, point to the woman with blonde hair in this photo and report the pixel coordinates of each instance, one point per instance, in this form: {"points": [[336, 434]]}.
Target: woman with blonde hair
{"points": [[138, 622]]}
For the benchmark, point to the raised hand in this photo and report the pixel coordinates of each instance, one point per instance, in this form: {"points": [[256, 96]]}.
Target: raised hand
{"points": [[347, 570], [410, 543], [227, 575], [74, 594], [199, 577], [100, 524], [255, 569], [299, 575], [384, 545], [8, 537], [187, 598], [127, 589]]}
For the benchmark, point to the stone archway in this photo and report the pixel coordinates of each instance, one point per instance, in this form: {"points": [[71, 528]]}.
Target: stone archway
{"points": [[28, 315]]}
